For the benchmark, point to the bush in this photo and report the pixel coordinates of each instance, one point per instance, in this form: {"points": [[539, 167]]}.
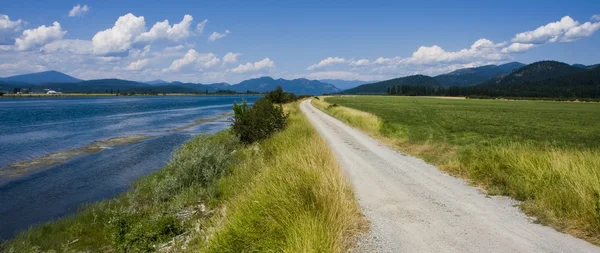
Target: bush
{"points": [[278, 96], [258, 122]]}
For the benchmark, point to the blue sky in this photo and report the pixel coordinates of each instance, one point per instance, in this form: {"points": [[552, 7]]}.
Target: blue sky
{"points": [[367, 40]]}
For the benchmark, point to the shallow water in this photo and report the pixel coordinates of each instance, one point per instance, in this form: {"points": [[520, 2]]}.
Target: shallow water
{"points": [[31, 128]]}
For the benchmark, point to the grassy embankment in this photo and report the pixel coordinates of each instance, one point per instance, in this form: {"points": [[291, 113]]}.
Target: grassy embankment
{"points": [[285, 193], [546, 154]]}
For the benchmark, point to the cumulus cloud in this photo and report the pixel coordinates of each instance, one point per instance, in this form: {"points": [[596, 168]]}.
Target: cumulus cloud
{"points": [[162, 30], [326, 62], [517, 48], [344, 75], [215, 35], [121, 36], [69, 46], [140, 53], [200, 26], [596, 17], [230, 57], [265, 63], [137, 65], [361, 62], [565, 30], [9, 29], [78, 10], [482, 49], [40, 36], [202, 61]]}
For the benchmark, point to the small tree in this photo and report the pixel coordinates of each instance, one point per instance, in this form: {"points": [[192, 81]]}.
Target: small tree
{"points": [[258, 122]]}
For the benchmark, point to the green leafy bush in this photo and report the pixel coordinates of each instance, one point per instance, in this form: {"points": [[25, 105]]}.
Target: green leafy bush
{"points": [[258, 122]]}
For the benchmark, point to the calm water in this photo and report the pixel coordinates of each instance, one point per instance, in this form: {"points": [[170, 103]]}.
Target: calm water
{"points": [[33, 127]]}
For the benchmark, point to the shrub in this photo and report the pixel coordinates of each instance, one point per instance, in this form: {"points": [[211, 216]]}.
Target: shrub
{"points": [[278, 96], [258, 122]]}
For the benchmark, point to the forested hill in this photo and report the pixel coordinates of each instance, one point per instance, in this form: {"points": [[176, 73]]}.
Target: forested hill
{"points": [[584, 84], [473, 76], [578, 84], [460, 77], [536, 71], [382, 87]]}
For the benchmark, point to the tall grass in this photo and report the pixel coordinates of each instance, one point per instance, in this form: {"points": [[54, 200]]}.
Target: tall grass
{"points": [[297, 201], [363, 120], [556, 177]]}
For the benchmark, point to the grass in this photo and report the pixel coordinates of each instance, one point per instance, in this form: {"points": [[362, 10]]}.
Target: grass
{"points": [[546, 154], [296, 201], [216, 195]]}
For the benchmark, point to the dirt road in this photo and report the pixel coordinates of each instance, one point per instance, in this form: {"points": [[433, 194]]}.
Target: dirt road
{"points": [[413, 207]]}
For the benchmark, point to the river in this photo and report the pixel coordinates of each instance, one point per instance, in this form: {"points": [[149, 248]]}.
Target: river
{"points": [[35, 128]]}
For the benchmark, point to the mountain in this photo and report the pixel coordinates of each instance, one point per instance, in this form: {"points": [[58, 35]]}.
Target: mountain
{"points": [[581, 66], [157, 82], [583, 83], [534, 72], [477, 75], [298, 86], [42, 77], [263, 84], [344, 84], [381, 87]]}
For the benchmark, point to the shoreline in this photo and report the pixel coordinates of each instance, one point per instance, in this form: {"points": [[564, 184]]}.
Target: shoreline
{"points": [[66, 95]]}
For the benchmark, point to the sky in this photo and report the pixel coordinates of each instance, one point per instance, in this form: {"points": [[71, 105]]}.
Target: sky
{"points": [[230, 41]]}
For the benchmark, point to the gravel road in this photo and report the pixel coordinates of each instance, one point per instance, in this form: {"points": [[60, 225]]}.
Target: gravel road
{"points": [[413, 207]]}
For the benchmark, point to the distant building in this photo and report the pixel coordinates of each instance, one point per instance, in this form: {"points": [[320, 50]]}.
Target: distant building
{"points": [[53, 92]]}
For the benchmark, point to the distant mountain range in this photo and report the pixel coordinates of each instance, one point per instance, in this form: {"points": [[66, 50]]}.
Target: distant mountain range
{"points": [[381, 87], [61, 82], [549, 79], [472, 76], [460, 78], [42, 77], [514, 79], [344, 84], [536, 71]]}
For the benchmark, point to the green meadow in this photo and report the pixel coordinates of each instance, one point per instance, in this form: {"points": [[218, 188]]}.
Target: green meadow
{"points": [[545, 154]]}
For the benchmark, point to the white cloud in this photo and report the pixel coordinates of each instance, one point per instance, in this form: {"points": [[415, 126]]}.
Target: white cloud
{"points": [[344, 75], [162, 30], [517, 48], [361, 62], [140, 53], [137, 65], [202, 61], [78, 10], [120, 37], [482, 49], [69, 46], [230, 57], [9, 29], [7, 24], [265, 63], [326, 62], [208, 60], [187, 59], [215, 35], [565, 30], [40, 36], [595, 17], [200, 26], [582, 31]]}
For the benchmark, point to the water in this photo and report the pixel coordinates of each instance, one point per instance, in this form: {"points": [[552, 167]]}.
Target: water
{"points": [[34, 127]]}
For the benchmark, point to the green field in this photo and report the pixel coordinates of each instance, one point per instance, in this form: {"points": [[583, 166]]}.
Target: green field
{"points": [[546, 154]]}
